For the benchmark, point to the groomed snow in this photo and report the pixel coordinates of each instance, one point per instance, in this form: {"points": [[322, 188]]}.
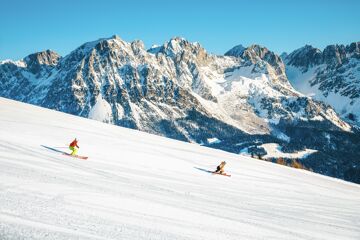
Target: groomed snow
{"points": [[140, 186]]}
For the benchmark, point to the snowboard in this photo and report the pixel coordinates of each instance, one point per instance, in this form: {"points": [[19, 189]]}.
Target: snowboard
{"points": [[223, 174], [76, 156]]}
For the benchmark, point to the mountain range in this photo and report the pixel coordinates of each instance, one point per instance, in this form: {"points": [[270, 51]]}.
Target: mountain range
{"points": [[250, 96], [331, 76]]}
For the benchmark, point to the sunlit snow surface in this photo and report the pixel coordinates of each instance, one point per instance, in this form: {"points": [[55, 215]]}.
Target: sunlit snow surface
{"points": [[140, 186]]}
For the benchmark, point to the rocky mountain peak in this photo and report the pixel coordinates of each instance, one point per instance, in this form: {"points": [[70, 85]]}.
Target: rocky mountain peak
{"points": [[254, 53], [178, 45], [354, 49], [114, 42], [284, 55], [236, 51], [111, 47], [137, 45], [332, 74], [36, 60], [263, 59], [334, 54], [305, 57], [180, 49], [116, 37]]}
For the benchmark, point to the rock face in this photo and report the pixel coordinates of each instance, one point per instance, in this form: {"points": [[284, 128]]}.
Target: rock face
{"points": [[178, 90], [331, 76], [305, 57], [256, 54], [35, 62]]}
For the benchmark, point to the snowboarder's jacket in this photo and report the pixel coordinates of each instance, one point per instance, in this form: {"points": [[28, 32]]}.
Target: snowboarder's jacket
{"points": [[74, 144]]}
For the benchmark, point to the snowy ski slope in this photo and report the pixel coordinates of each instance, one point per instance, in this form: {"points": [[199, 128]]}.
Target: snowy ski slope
{"points": [[140, 186]]}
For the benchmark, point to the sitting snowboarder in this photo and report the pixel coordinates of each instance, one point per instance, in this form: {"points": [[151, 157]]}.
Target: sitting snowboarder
{"points": [[74, 147], [220, 168]]}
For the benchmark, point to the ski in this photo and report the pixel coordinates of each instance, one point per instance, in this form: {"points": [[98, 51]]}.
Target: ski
{"points": [[223, 174], [76, 156]]}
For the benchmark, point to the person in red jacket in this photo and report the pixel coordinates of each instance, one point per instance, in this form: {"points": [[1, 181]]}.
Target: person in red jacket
{"points": [[74, 147]]}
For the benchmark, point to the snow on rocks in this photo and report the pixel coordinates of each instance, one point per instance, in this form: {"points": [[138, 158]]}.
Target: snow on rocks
{"points": [[274, 151], [101, 111], [213, 140]]}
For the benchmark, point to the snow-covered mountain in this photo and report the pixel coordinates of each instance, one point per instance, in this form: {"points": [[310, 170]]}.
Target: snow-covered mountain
{"points": [[179, 90], [118, 82], [141, 186], [331, 76]]}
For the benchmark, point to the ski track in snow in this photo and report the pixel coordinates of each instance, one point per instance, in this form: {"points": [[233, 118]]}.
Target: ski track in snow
{"points": [[140, 186]]}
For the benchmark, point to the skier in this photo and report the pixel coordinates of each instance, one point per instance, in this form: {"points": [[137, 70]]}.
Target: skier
{"points": [[74, 147], [220, 168]]}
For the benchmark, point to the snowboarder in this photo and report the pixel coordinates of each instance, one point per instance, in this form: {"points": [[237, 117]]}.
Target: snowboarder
{"points": [[220, 168], [74, 147]]}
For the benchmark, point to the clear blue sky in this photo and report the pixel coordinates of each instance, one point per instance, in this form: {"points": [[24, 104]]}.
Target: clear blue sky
{"points": [[62, 25]]}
